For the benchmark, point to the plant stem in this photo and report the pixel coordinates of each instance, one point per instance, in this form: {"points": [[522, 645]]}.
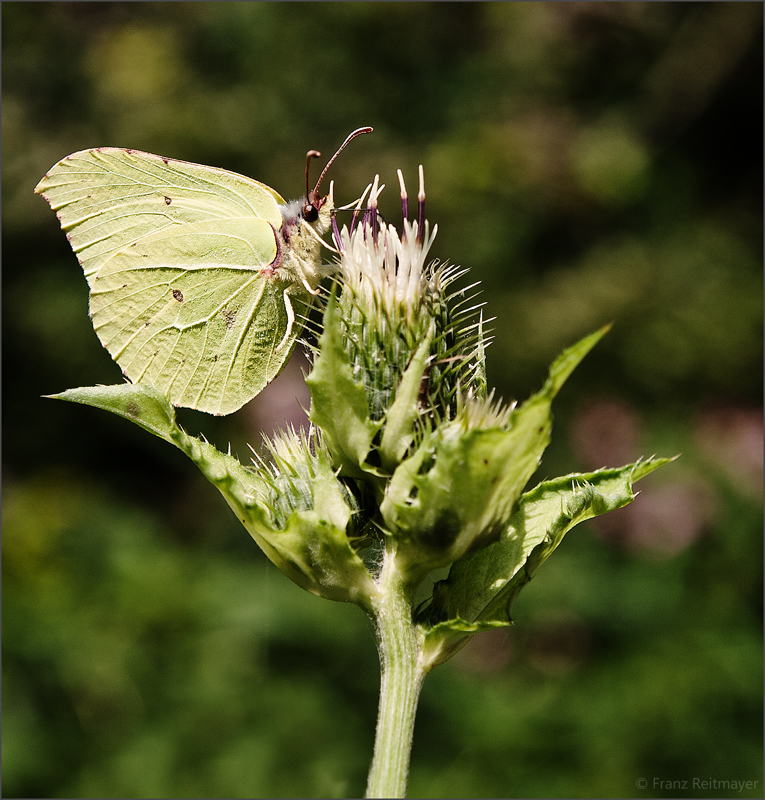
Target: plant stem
{"points": [[400, 683]]}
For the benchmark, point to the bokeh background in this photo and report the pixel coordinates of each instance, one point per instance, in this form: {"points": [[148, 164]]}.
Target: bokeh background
{"points": [[589, 162]]}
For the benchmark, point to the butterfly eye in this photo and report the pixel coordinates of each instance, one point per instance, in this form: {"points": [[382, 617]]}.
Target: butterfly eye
{"points": [[310, 212]]}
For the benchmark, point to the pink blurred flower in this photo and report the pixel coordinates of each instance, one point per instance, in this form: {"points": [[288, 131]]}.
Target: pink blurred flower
{"points": [[732, 438]]}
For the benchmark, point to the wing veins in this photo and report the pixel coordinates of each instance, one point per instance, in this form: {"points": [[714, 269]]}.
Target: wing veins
{"points": [[242, 337], [173, 329], [210, 188]]}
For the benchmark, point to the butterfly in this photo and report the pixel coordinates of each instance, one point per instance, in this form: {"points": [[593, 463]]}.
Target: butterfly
{"points": [[200, 279]]}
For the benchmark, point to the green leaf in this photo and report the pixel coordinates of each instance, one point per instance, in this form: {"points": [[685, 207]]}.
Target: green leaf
{"points": [[461, 501], [339, 404], [143, 405], [450, 636], [456, 492], [481, 587], [312, 549], [398, 432], [570, 359]]}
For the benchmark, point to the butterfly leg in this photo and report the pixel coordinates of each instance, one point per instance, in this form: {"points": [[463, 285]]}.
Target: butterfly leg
{"points": [[290, 319]]}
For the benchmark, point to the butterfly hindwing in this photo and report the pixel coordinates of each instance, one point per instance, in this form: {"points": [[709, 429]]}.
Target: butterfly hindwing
{"points": [[185, 311]]}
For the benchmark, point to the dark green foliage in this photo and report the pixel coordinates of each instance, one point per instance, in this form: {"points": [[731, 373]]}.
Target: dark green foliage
{"points": [[589, 163]]}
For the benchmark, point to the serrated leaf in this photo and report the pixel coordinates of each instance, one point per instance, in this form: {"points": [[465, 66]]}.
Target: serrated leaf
{"points": [[450, 636], [339, 404], [481, 587], [570, 359], [455, 494], [462, 500], [313, 549], [143, 405]]}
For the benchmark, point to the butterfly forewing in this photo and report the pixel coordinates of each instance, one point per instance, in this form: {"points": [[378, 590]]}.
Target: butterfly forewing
{"points": [[108, 198]]}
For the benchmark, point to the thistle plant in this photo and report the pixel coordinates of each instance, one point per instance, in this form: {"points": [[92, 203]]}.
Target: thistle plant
{"points": [[410, 465]]}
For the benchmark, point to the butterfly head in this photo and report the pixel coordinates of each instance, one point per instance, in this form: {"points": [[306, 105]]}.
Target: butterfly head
{"points": [[297, 243], [315, 208]]}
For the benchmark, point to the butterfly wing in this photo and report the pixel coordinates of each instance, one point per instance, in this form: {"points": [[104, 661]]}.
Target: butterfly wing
{"points": [[177, 256], [185, 311], [107, 198]]}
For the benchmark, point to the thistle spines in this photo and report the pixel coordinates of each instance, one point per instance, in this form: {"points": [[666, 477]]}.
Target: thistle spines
{"points": [[388, 300], [289, 472]]}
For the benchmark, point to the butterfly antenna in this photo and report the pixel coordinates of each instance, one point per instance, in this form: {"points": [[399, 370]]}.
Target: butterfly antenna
{"points": [[308, 156], [313, 196]]}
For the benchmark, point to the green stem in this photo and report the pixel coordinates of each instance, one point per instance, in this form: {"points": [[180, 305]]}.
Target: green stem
{"points": [[401, 679]]}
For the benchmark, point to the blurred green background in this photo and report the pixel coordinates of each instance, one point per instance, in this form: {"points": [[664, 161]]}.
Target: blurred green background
{"points": [[588, 162]]}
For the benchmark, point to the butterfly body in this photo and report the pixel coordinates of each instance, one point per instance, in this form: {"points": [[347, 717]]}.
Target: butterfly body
{"points": [[200, 278]]}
